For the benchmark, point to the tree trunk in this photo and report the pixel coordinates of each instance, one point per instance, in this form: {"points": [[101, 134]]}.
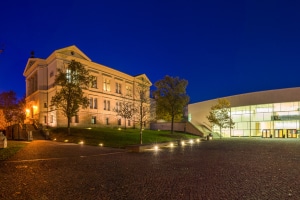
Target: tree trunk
{"points": [[141, 124], [172, 125], [125, 123], [69, 129], [220, 132], [141, 136]]}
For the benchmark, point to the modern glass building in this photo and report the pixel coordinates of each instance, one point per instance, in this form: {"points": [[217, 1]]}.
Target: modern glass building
{"points": [[269, 114], [277, 120]]}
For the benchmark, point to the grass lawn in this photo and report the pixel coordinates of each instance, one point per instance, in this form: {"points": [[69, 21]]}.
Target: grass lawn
{"points": [[112, 137], [12, 148], [109, 137]]}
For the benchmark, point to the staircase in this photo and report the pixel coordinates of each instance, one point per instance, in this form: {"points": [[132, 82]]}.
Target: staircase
{"points": [[37, 131]]}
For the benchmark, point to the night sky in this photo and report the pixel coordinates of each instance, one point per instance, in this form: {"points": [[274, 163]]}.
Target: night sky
{"points": [[222, 48]]}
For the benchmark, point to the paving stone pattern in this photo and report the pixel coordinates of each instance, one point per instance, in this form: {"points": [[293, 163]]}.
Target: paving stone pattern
{"points": [[241, 168]]}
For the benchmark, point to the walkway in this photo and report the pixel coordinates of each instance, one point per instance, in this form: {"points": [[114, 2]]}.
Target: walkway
{"points": [[218, 169]]}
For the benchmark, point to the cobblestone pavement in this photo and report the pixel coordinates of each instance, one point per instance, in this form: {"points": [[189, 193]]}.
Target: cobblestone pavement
{"points": [[218, 169]]}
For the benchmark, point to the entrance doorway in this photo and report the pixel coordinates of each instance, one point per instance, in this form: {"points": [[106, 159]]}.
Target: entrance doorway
{"points": [[266, 133], [291, 133], [278, 133]]}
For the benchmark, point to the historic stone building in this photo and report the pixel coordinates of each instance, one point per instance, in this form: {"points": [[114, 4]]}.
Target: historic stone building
{"points": [[106, 93]]}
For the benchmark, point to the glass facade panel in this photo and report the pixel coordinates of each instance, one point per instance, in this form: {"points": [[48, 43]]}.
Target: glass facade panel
{"points": [[279, 120]]}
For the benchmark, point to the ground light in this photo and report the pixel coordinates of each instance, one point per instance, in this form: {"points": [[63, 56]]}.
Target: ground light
{"points": [[198, 140], [101, 145], [182, 143], [81, 142], [171, 144], [155, 147], [191, 141], [66, 141]]}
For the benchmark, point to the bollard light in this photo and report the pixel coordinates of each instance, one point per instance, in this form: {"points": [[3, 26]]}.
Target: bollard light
{"points": [[81, 142]]}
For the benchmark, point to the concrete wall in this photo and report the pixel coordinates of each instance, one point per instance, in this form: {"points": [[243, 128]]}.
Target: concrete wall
{"points": [[178, 126]]}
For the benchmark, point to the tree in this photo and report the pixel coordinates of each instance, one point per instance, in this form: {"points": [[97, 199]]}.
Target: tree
{"points": [[143, 105], [13, 110], [20, 110], [8, 104], [72, 80], [220, 115], [171, 98], [125, 109], [2, 120]]}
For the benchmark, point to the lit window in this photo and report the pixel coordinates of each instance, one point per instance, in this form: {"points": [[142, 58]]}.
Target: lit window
{"points": [[93, 119], [118, 88], [68, 75], [128, 90], [106, 85], [94, 82]]}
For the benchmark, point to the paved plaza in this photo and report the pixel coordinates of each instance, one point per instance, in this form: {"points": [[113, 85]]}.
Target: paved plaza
{"points": [[240, 168]]}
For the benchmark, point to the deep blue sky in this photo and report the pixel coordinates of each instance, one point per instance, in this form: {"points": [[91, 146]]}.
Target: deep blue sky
{"points": [[221, 47]]}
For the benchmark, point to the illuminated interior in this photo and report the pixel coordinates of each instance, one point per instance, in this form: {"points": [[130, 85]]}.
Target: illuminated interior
{"points": [[278, 120]]}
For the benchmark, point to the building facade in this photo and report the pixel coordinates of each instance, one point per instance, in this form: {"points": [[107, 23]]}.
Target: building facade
{"points": [[268, 114], [107, 92]]}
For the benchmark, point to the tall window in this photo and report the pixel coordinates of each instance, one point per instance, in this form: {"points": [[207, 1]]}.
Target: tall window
{"points": [[45, 119], [76, 119], [118, 106], [128, 90], [94, 82], [93, 119], [119, 122], [107, 121], [95, 103], [118, 88], [68, 75], [106, 85], [106, 105], [51, 118], [91, 102]]}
